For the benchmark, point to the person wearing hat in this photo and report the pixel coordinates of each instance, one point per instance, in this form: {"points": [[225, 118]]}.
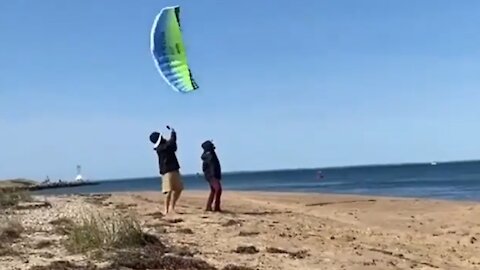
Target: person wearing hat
{"points": [[172, 184], [213, 174]]}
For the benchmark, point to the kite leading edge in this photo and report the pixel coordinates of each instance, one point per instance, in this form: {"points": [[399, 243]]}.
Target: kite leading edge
{"points": [[168, 50]]}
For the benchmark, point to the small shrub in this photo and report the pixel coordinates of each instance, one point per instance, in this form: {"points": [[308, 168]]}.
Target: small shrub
{"points": [[62, 225], [10, 199], [10, 230], [7, 250], [107, 232]]}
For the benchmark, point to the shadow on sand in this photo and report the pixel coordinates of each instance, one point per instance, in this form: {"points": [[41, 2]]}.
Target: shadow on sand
{"points": [[254, 213], [328, 203]]}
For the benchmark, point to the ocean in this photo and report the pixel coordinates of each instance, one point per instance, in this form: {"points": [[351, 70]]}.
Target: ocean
{"points": [[452, 181]]}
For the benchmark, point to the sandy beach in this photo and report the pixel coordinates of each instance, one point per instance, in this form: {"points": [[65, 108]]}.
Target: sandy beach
{"points": [[270, 230]]}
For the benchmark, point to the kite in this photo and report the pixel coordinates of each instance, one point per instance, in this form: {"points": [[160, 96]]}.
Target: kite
{"points": [[168, 50]]}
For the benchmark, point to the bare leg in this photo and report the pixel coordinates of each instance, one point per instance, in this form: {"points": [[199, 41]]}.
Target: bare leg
{"points": [[168, 197], [176, 196]]}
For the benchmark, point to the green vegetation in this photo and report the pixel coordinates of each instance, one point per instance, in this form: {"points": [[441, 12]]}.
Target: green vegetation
{"points": [[96, 232], [62, 225], [18, 182], [116, 239], [120, 240], [11, 199], [10, 231]]}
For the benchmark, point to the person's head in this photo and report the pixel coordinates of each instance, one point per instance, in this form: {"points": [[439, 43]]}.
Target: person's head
{"points": [[156, 138], [208, 145]]}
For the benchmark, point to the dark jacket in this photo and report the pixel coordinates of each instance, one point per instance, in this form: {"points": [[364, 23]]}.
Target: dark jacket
{"points": [[167, 159], [211, 165]]}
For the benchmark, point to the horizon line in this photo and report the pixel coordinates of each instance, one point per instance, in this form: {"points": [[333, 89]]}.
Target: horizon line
{"points": [[310, 168]]}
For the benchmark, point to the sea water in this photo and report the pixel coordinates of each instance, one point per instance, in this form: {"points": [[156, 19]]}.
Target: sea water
{"points": [[454, 181]]}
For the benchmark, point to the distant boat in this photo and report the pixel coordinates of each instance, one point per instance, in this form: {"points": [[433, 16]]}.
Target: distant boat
{"points": [[433, 163]]}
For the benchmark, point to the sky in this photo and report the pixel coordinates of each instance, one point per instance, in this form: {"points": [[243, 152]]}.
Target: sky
{"points": [[283, 84]]}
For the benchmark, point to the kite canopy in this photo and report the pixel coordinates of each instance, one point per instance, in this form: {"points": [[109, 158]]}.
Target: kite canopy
{"points": [[168, 50]]}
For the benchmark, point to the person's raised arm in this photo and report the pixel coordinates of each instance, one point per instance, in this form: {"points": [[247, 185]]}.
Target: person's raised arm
{"points": [[173, 136], [172, 142]]}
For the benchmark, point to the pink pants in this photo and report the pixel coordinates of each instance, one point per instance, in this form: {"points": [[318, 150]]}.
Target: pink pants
{"points": [[215, 193]]}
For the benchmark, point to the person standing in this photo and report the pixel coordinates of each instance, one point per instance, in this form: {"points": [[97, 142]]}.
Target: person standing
{"points": [[213, 174], [172, 184]]}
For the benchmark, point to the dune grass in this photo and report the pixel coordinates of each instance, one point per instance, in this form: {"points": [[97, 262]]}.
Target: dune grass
{"points": [[62, 225], [10, 231], [102, 232], [120, 240], [11, 199]]}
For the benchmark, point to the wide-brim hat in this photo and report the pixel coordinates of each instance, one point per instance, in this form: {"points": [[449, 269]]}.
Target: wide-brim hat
{"points": [[155, 137]]}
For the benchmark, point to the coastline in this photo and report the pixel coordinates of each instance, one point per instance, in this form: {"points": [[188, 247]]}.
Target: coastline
{"points": [[203, 192], [456, 182], [281, 230]]}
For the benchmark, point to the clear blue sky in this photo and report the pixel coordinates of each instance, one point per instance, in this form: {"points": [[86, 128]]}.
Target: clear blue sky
{"points": [[284, 84]]}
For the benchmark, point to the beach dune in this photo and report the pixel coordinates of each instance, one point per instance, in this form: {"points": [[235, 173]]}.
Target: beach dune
{"points": [[296, 231], [326, 231]]}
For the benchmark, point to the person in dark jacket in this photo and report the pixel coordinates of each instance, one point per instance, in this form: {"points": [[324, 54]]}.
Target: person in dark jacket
{"points": [[172, 184], [213, 174]]}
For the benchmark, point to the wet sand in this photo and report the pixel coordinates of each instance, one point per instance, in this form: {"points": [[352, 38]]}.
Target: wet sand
{"points": [[283, 231]]}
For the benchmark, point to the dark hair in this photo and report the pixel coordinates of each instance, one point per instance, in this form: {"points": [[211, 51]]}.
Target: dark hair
{"points": [[154, 137]]}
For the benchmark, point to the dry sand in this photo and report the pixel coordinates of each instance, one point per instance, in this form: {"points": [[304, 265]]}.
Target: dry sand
{"points": [[288, 231]]}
